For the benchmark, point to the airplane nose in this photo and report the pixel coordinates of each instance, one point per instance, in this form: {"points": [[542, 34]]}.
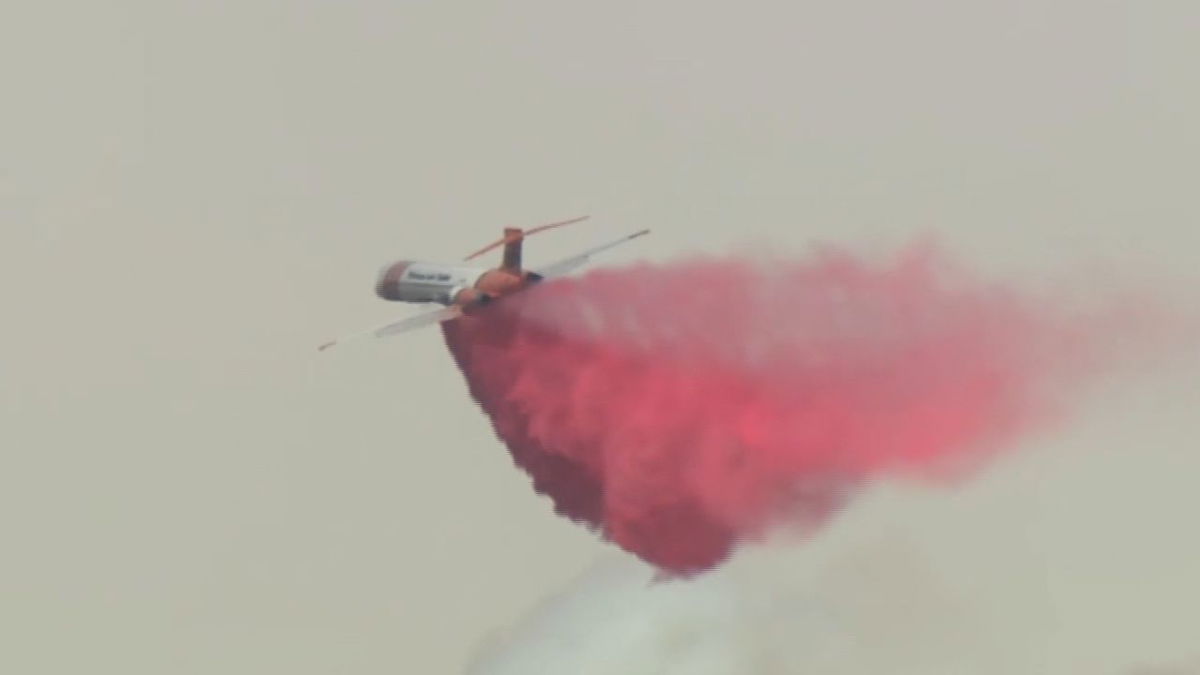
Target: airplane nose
{"points": [[387, 285]]}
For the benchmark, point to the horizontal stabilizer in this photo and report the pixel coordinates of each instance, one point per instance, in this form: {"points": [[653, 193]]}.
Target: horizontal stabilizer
{"points": [[517, 235]]}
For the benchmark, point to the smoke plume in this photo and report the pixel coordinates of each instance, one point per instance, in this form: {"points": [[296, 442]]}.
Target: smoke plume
{"points": [[680, 409], [872, 603]]}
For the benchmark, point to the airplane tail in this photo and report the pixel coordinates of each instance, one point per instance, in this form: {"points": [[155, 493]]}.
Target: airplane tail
{"points": [[513, 237]]}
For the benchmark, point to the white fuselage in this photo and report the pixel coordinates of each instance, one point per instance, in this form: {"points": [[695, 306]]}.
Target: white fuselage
{"points": [[426, 282]]}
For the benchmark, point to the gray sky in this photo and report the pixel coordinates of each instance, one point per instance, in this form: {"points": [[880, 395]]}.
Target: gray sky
{"points": [[193, 195]]}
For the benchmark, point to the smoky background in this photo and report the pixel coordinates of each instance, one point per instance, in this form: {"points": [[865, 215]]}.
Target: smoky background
{"points": [[194, 195]]}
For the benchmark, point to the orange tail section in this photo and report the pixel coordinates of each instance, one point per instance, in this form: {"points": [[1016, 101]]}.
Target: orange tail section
{"points": [[513, 237]]}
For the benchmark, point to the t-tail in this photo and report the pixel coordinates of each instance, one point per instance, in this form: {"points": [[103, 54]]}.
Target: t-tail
{"points": [[513, 238]]}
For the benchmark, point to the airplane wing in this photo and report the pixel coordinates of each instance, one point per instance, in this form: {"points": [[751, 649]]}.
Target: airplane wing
{"points": [[566, 265], [402, 326]]}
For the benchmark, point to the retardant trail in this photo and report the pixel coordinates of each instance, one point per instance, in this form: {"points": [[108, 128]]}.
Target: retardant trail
{"points": [[682, 408]]}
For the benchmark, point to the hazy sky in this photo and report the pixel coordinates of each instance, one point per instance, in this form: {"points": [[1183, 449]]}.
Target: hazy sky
{"points": [[193, 195]]}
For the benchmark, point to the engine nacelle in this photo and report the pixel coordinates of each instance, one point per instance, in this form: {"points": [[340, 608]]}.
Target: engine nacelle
{"points": [[408, 281]]}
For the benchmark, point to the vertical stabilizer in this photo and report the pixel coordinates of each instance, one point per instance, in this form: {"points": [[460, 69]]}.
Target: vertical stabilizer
{"points": [[513, 237]]}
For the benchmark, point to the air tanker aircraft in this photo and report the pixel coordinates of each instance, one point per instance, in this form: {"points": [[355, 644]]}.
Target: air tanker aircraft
{"points": [[462, 289]]}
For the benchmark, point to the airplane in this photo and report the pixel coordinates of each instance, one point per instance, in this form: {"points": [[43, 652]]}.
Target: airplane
{"points": [[462, 289]]}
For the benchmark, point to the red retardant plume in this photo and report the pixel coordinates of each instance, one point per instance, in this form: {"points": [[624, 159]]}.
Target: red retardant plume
{"points": [[679, 409]]}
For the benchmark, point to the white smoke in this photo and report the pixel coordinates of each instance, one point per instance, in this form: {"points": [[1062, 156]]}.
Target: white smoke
{"points": [[861, 598], [875, 611]]}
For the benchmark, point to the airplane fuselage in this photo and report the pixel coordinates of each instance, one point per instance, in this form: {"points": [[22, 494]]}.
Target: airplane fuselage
{"points": [[422, 282], [410, 281]]}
